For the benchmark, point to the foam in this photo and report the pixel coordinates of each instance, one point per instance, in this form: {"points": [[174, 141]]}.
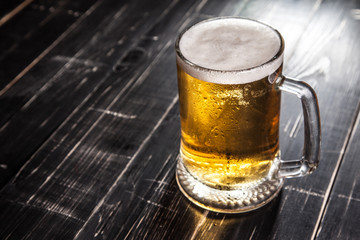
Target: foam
{"points": [[230, 50]]}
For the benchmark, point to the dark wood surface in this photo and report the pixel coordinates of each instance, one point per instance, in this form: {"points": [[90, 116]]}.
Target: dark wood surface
{"points": [[89, 122]]}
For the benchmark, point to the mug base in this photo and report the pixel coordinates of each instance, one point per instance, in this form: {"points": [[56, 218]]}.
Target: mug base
{"points": [[241, 200]]}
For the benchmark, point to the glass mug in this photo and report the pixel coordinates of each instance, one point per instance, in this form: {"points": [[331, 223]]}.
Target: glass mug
{"points": [[230, 82]]}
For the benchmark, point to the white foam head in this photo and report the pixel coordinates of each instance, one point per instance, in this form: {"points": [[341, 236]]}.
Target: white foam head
{"points": [[230, 50]]}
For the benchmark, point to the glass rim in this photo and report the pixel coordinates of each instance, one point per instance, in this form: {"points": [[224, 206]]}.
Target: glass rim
{"points": [[278, 54]]}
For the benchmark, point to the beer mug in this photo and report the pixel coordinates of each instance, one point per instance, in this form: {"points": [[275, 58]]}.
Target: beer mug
{"points": [[230, 82]]}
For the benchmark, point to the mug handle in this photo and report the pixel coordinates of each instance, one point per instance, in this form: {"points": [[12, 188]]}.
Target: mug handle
{"points": [[312, 130]]}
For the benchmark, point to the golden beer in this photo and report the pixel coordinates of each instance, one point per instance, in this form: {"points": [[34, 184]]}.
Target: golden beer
{"points": [[229, 131]]}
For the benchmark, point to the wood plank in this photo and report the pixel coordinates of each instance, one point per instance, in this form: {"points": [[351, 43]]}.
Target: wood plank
{"points": [[115, 215], [46, 165], [8, 9], [22, 40], [318, 62], [343, 208], [45, 101], [108, 171], [159, 221], [148, 204]]}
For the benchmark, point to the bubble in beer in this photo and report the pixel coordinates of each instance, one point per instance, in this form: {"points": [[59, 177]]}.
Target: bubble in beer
{"points": [[229, 114]]}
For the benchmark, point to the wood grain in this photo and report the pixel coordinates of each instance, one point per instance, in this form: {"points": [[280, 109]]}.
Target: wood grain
{"points": [[9, 8], [22, 40], [342, 208], [43, 106], [78, 129], [94, 126]]}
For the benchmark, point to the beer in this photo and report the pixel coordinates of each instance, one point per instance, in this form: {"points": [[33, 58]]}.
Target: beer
{"points": [[229, 79], [229, 107]]}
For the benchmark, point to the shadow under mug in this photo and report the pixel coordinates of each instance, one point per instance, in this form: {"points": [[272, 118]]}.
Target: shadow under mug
{"points": [[229, 157]]}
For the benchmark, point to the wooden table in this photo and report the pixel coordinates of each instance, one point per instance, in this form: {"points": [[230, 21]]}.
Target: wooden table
{"points": [[89, 122]]}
